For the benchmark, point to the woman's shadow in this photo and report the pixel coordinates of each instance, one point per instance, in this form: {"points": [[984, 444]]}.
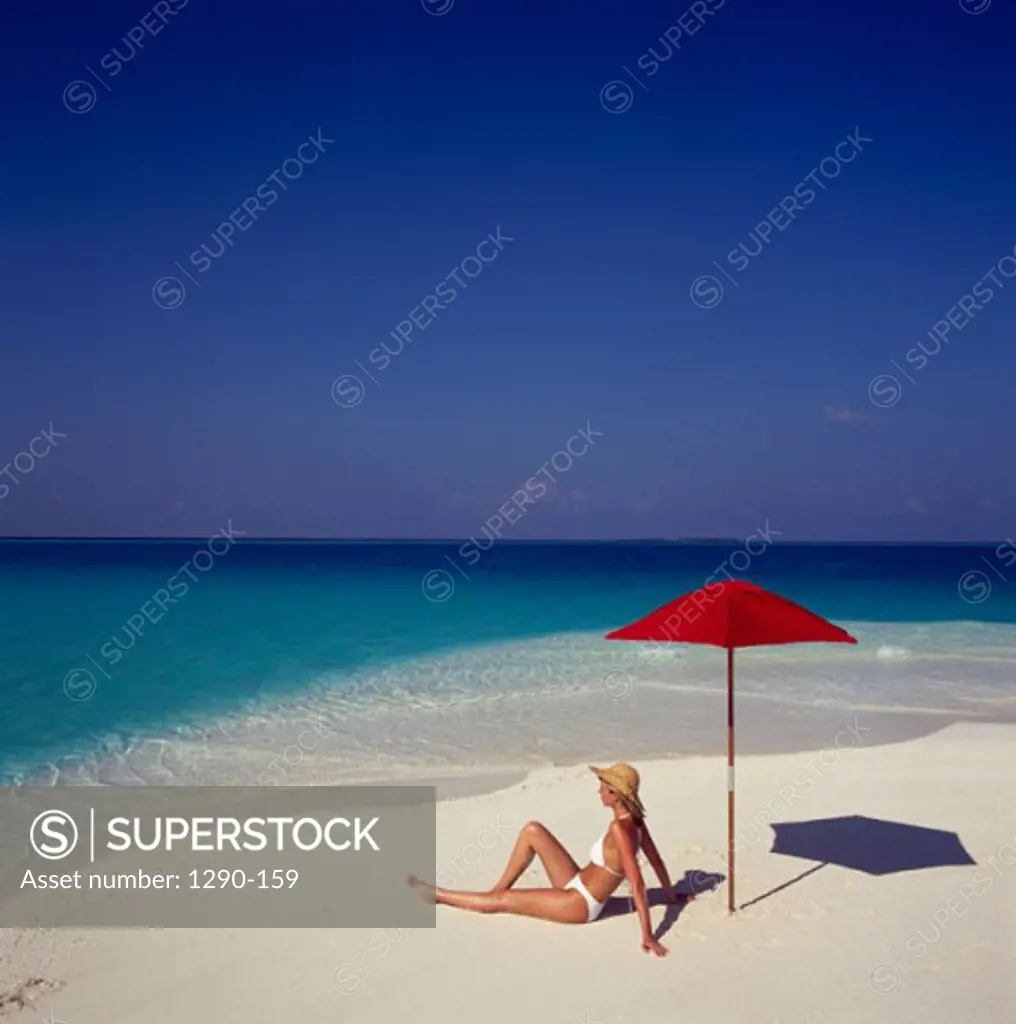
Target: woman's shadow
{"points": [[694, 883]]}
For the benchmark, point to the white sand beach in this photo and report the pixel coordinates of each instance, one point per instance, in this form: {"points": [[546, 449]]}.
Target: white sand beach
{"points": [[838, 945]]}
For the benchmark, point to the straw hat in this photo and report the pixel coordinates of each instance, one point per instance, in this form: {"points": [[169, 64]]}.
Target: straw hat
{"points": [[623, 778]]}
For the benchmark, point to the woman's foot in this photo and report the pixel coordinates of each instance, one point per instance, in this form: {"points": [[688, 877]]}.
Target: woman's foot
{"points": [[426, 892]]}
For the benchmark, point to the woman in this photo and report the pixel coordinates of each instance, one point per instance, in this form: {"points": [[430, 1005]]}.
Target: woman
{"points": [[578, 895]]}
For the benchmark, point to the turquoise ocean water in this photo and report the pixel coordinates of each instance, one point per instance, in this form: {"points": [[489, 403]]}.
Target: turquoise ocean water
{"points": [[145, 662]]}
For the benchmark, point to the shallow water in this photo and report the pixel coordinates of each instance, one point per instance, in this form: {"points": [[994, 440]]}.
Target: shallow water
{"points": [[286, 662]]}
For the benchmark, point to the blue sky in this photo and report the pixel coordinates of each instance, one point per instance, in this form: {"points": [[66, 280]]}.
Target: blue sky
{"points": [[135, 133]]}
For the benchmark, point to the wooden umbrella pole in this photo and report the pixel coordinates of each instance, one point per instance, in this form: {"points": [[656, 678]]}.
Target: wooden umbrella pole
{"points": [[730, 777]]}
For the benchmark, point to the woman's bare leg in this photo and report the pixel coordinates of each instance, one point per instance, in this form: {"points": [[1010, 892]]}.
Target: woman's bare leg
{"points": [[562, 906], [535, 840]]}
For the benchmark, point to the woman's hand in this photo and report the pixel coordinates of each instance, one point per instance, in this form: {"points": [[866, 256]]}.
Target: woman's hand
{"points": [[650, 945]]}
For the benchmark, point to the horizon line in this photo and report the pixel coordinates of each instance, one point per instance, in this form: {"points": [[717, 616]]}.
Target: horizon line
{"points": [[504, 540]]}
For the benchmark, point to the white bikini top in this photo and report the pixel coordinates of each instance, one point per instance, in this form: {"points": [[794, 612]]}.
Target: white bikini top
{"points": [[596, 853]]}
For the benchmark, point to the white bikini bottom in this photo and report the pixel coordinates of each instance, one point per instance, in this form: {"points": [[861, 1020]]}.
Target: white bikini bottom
{"points": [[594, 905]]}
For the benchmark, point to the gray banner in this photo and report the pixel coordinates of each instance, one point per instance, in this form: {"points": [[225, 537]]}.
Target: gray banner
{"points": [[216, 856]]}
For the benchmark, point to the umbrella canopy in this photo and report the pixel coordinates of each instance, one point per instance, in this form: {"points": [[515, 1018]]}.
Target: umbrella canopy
{"points": [[871, 845], [734, 614]]}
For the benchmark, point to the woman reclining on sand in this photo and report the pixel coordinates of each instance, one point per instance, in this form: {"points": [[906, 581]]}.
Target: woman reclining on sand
{"points": [[577, 895]]}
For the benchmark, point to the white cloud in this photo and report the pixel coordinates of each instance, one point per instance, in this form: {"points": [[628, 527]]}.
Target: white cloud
{"points": [[843, 414]]}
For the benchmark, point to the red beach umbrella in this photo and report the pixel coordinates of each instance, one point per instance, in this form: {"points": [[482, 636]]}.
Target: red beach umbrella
{"points": [[735, 614]]}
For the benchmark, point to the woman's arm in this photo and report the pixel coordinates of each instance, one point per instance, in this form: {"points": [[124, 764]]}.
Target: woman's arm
{"points": [[629, 862], [656, 861]]}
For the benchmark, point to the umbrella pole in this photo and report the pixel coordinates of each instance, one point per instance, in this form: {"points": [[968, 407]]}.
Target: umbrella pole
{"points": [[730, 777]]}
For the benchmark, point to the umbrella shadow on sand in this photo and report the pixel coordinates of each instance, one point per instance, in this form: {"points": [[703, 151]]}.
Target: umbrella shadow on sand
{"points": [[694, 883], [869, 845]]}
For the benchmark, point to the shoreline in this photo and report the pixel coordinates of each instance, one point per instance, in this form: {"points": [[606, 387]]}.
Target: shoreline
{"points": [[481, 781], [908, 727], [658, 723]]}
